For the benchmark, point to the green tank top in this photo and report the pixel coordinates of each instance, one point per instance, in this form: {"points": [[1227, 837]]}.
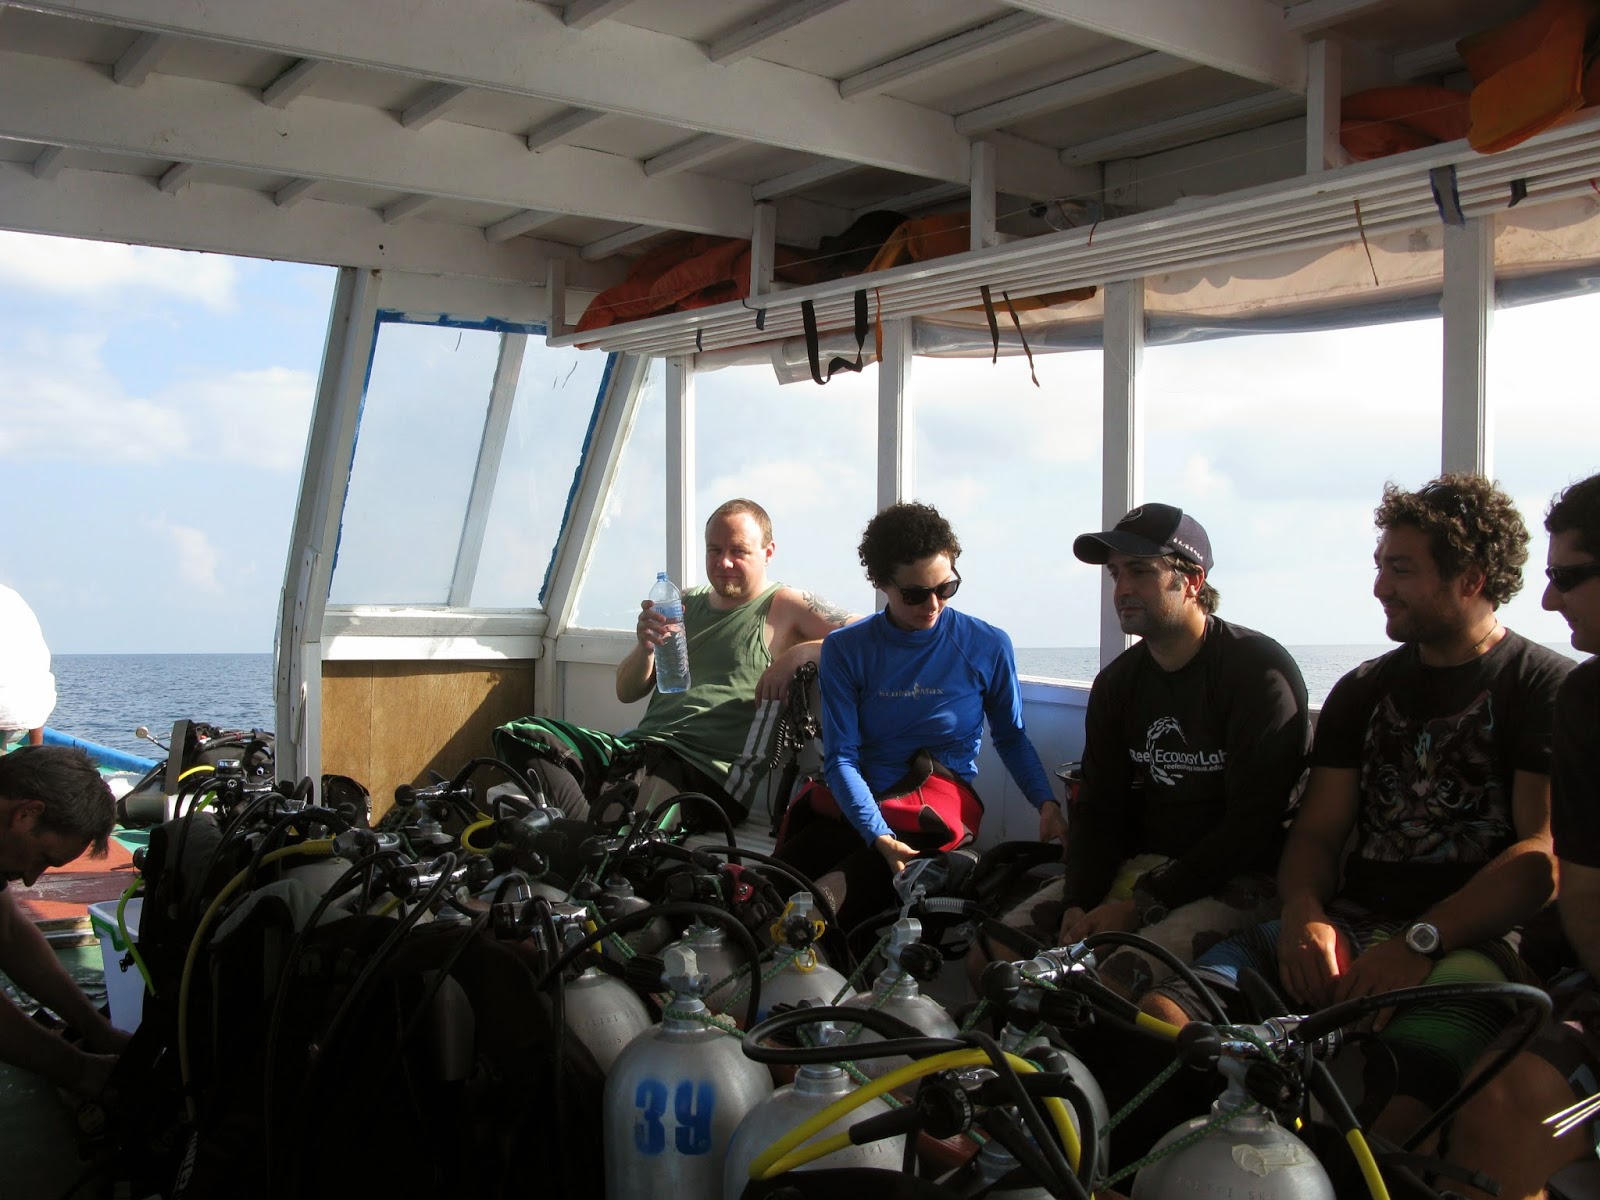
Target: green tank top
{"points": [[716, 724]]}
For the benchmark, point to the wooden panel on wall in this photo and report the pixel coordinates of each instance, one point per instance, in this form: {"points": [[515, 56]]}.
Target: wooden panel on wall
{"points": [[390, 723]]}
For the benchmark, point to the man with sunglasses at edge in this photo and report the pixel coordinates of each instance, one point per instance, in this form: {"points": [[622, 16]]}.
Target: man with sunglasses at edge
{"points": [[1194, 744], [1435, 760], [1502, 1131]]}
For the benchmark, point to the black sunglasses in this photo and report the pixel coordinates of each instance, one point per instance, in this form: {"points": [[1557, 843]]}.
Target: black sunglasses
{"points": [[1564, 579], [919, 595]]}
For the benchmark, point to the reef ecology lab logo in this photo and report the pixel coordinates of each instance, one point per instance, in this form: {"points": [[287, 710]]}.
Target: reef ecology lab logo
{"points": [[1166, 764]]}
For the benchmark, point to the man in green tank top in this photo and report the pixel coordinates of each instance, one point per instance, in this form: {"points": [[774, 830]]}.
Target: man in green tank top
{"points": [[747, 638]]}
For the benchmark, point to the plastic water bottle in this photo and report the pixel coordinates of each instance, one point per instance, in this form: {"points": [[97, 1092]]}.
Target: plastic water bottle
{"points": [[672, 656]]}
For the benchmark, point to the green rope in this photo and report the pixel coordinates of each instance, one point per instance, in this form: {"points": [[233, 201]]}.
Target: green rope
{"points": [[975, 1015], [622, 946], [1123, 1113], [703, 1017], [1183, 1143], [861, 967], [767, 976]]}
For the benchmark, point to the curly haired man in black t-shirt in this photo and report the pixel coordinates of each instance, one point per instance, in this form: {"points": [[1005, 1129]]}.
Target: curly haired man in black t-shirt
{"points": [[1435, 761]]}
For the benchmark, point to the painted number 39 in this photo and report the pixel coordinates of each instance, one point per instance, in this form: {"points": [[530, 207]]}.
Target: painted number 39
{"points": [[691, 1111]]}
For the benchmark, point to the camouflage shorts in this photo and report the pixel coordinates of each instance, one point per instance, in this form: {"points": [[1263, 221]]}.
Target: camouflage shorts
{"points": [[1188, 931]]}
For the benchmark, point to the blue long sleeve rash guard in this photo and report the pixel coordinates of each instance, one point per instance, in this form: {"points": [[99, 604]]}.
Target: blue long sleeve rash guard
{"points": [[889, 692]]}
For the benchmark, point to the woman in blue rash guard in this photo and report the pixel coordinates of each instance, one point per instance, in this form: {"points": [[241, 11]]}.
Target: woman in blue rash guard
{"points": [[904, 697]]}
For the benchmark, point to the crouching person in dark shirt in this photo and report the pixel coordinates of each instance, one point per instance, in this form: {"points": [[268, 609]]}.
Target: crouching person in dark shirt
{"points": [[1436, 757], [1195, 743]]}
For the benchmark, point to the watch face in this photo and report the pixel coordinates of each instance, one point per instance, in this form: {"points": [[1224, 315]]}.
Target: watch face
{"points": [[1423, 938]]}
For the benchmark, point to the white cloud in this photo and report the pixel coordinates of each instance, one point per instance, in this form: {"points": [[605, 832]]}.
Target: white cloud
{"points": [[64, 402], [195, 557], [114, 273], [1202, 480]]}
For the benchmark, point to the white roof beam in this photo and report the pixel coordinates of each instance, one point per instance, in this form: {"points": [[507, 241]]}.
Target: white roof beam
{"points": [[1313, 16], [293, 192], [581, 14], [141, 58], [607, 246], [402, 210], [1247, 38], [688, 155], [912, 201], [1186, 128], [766, 25], [516, 226], [558, 130], [941, 55], [177, 177], [801, 180], [49, 162], [1080, 89], [57, 102], [125, 208], [522, 48], [435, 103], [293, 83]]}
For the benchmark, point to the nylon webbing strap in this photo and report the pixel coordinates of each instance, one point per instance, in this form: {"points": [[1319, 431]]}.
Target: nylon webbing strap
{"points": [[1447, 195], [994, 326], [808, 315], [1016, 323]]}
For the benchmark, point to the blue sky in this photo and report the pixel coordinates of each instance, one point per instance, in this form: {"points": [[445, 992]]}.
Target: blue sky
{"points": [[156, 406], [150, 451]]}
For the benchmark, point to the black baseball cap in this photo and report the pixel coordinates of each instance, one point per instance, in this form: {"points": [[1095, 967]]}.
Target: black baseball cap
{"points": [[1148, 531]]}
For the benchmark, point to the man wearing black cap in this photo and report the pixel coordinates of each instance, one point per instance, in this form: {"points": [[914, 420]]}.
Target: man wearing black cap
{"points": [[1195, 742]]}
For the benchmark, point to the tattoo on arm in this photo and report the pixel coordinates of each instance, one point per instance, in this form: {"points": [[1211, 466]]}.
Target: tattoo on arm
{"points": [[827, 610]]}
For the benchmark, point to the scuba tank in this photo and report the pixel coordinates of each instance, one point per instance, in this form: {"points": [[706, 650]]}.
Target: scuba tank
{"points": [[717, 961], [897, 993], [1014, 1040], [675, 1095], [799, 973], [602, 1012], [815, 1086], [618, 899], [1252, 1155]]}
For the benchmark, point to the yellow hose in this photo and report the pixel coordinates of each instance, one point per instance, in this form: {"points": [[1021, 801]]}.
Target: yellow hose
{"points": [[323, 847], [466, 835], [122, 928], [787, 1153], [1157, 1026], [195, 771], [1369, 1165]]}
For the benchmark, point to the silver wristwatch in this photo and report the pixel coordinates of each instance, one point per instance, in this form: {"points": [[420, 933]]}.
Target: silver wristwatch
{"points": [[1424, 939]]}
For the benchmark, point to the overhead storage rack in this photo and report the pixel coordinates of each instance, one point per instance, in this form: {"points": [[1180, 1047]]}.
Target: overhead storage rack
{"points": [[1447, 183]]}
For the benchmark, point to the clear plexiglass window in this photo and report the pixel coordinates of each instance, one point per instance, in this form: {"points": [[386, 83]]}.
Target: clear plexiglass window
{"points": [[427, 435], [422, 422], [1015, 469], [1280, 445]]}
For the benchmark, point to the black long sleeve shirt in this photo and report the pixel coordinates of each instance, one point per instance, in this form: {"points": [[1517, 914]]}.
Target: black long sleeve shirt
{"points": [[1201, 764]]}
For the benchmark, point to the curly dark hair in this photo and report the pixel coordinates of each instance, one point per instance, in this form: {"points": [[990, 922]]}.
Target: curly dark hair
{"points": [[1469, 521], [1578, 508], [904, 533]]}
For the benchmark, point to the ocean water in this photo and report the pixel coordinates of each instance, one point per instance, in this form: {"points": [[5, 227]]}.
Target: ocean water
{"points": [[105, 697]]}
